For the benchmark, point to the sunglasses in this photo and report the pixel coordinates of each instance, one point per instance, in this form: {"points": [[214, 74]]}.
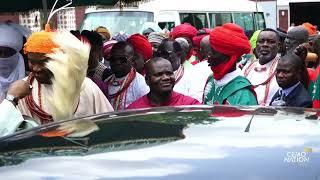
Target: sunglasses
{"points": [[122, 59]]}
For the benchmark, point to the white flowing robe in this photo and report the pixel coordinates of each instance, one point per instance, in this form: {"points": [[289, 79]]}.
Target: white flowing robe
{"points": [[256, 77], [193, 81], [137, 88], [92, 100]]}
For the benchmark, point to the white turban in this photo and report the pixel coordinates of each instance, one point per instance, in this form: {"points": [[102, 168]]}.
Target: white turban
{"points": [[11, 68]]}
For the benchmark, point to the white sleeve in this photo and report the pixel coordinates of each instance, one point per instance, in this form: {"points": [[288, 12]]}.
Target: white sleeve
{"points": [[10, 118], [100, 102]]}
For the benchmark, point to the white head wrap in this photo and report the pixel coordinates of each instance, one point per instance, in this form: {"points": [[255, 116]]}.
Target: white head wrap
{"points": [[11, 68]]}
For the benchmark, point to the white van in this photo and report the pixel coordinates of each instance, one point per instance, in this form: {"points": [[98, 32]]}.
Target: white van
{"points": [[206, 13], [169, 13], [128, 21]]}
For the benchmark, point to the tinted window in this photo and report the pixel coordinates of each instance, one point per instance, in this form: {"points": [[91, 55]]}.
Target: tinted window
{"points": [[245, 20], [126, 21], [260, 22], [167, 25], [218, 19], [198, 20]]}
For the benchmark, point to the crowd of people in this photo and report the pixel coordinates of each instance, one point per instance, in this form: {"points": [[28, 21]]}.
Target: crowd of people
{"points": [[53, 75]]}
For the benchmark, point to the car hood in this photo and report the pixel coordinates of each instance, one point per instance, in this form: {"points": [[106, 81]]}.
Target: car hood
{"points": [[174, 143]]}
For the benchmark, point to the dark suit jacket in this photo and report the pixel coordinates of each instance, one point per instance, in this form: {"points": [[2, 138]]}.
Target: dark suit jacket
{"points": [[298, 97]]}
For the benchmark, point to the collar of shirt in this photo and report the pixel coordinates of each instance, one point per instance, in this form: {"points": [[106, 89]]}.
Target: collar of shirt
{"points": [[267, 65], [288, 90], [228, 77]]}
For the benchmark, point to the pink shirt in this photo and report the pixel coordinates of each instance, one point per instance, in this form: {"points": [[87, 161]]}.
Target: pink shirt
{"points": [[176, 99]]}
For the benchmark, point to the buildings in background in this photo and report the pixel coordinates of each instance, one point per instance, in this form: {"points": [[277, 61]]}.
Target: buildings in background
{"points": [[282, 13]]}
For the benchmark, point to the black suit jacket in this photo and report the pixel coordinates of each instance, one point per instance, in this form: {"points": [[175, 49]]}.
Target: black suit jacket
{"points": [[298, 97]]}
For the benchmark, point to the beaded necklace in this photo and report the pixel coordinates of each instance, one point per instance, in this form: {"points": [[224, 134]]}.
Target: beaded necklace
{"points": [[179, 74], [36, 110], [267, 82], [120, 94]]}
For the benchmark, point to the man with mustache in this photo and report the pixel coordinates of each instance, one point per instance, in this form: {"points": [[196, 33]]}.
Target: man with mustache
{"points": [[261, 73], [58, 62]]}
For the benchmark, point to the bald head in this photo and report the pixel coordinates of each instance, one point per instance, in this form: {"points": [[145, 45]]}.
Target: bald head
{"points": [[159, 76], [150, 64], [289, 70], [295, 37], [205, 47]]}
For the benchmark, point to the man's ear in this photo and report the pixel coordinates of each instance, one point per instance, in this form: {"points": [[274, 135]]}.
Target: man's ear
{"points": [[279, 45]]}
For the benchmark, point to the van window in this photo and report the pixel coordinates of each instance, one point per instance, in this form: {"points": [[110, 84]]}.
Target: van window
{"points": [[218, 19], [245, 20], [198, 20], [126, 21], [260, 22], [167, 25]]}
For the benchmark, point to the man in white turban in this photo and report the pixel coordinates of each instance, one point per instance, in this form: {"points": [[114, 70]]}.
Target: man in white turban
{"points": [[11, 61]]}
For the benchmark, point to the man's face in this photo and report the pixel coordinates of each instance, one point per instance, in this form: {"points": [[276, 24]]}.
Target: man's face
{"points": [[294, 38], [286, 74], [138, 62], [37, 66], [215, 58], [291, 42], [167, 52], [155, 47], [121, 61], [7, 64], [160, 77], [205, 47], [267, 46]]}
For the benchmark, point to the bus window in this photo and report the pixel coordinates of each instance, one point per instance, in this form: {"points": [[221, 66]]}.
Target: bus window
{"points": [[117, 21], [260, 22], [245, 20], [166, 25], [198, 20], [218, 19]]}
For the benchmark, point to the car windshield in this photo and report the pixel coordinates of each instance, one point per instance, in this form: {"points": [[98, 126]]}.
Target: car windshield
{"points": [[128, 22]]}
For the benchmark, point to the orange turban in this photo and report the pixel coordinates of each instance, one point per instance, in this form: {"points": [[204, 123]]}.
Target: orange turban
{"points": [[41, 42], [104, 32], [312, 30], [184, 30], [141, 45]]}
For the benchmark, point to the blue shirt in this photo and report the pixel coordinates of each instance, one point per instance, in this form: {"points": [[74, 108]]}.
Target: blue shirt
{"points": [[287, 91]]}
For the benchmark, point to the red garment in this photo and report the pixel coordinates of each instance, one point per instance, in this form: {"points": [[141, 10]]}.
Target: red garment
{"points": [[141, 45], [197, 39], [184, 30], [312, 74], [176, 99], [230, 40]]}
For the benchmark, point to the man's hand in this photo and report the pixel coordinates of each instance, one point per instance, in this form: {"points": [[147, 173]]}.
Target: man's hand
{"points": [[20, 89], [302, 51]]}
